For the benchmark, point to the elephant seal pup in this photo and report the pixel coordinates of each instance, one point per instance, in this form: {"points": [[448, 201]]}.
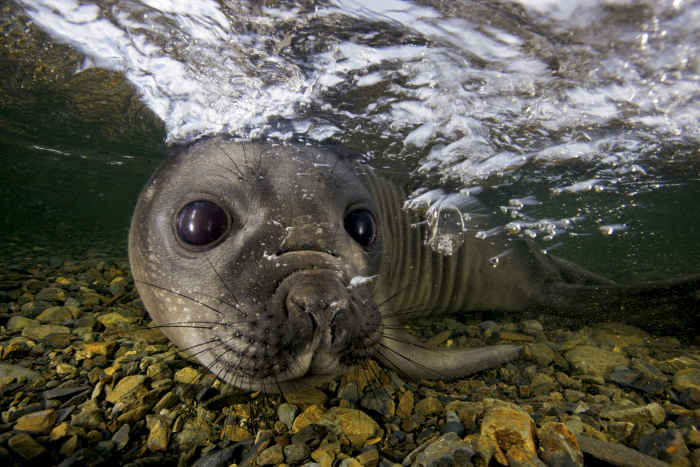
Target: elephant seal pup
{"points": [[280, 266]]}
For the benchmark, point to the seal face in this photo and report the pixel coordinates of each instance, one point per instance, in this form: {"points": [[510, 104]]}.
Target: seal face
{"points": [[245, 256]]}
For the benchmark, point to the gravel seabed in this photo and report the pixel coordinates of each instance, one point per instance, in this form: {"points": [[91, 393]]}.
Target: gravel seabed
{"points": [[85, 379]]}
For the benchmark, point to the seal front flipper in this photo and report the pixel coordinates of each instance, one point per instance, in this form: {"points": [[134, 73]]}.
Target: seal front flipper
{"points": [[405, 354]]}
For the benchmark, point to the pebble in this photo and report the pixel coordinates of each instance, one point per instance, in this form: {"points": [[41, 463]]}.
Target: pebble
{"points": [[593, 360], [356, 425], [287, 413], [558, 445], [41, 422], [668, 446], [24, 445]]}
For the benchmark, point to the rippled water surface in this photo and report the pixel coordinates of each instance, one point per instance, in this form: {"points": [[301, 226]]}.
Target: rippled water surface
{"points": [[579, 121]]}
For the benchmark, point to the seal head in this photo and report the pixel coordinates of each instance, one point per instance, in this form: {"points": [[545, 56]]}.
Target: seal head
{"points": [[251, 259]]}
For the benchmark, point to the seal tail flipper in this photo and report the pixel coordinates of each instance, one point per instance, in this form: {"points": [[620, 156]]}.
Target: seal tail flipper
{"points": [[401, 352], [661, 305]]}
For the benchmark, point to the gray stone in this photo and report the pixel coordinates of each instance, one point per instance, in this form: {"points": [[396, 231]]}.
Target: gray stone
{"points": [[380, 401], [17, 323], [34, 309], [616, 454], [447, 450], [37, 333], [594, 361], [25, 446], [17, 371], [49, 294], [558, 445], [668, 446], [296, 453], [121, 437], [287, 413], [273, 455], [542, 353], [55, 314]]}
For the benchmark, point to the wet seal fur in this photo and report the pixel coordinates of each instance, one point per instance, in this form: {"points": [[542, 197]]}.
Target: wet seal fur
{"points": [[285, 296]]}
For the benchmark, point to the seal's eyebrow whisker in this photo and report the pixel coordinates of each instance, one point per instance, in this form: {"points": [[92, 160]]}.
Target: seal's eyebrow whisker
{"points": [[240, 174], [222, 280]]}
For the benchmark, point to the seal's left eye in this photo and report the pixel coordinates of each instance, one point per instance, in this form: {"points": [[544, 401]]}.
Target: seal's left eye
{"points": [[361, 226], [201, 223]]}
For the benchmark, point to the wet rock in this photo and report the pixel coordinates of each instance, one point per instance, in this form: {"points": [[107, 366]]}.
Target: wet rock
{"points": [[593, 360], [350, 392], [55, 314], [16, 371], [507, 427], [519, 456], [621, 335], [188, 375], [62, 393], [274, 455], [296, 453], [84, 458], [17, 323], [615, 454], [34, 308], [368, 458], [687, 378], [452, 424], [88, 419], [64, 430], [652, 413], [691, 398], [312, 415], [428, 407], [405, 406], [37, 333], [69, 447], [159, 435], [25, 446], [101, 348], [121, 437], [354, 424], [129, 387], [194, 433], [379, 401], [306, 398], [235, 433], [668, 446], [558, 445], [448, 450], [542, 353], [50, 294], [38, 423], [287, 413]]}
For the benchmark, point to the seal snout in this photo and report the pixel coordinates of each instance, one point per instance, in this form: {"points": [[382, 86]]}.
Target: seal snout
{"points": [[316, 302]]}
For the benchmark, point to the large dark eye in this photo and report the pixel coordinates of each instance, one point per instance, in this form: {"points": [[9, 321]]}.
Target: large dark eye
{"points": [[202, 222], [361, 226]]}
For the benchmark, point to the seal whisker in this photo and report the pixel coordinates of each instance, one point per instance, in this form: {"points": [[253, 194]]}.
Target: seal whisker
{"points": [[222, 280], [240, 175], [187, 297]]}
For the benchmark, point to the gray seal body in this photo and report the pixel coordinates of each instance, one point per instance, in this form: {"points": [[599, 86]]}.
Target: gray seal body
{"points": [[251, 259]]}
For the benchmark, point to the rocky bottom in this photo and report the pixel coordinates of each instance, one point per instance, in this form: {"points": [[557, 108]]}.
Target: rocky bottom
{"points": [[86, 380]]}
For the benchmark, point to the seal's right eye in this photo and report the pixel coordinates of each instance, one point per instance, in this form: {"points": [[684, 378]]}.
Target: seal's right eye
{"points": [[201, 223]]}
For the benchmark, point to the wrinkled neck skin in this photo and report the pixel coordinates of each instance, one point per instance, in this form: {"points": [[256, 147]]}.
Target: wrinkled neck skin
{"points": [[271, 304]]}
